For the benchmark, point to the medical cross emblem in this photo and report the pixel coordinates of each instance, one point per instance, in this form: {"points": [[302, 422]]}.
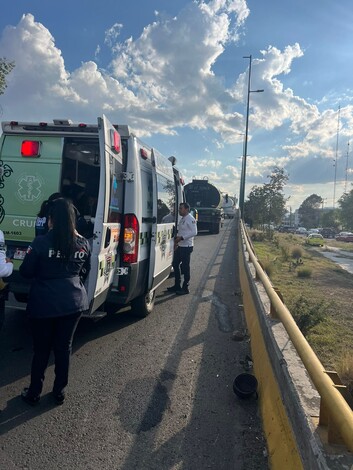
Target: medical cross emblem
{"points": [[29, 188]]}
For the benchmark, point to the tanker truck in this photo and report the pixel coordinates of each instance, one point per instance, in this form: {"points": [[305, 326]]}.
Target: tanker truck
{"points": [[207, 200]]}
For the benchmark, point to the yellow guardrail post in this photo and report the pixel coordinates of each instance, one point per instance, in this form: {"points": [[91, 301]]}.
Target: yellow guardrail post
{"points": [[336, 412]]}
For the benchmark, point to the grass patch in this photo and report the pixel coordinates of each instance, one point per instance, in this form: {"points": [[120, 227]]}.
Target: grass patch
{"points": [[344, 368], [297, 252], [304, 272], [325, 314], [308, 314], [268, 267]]}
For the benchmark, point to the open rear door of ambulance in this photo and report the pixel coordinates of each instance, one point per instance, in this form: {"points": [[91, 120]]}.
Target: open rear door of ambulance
{"points": [[162, 239], [107, 222]]}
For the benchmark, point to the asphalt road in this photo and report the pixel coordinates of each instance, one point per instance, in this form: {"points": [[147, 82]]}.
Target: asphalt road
{"points": [[143, 394]]}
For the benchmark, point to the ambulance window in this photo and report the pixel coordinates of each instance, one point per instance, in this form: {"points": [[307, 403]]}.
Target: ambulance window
{"points": [[166, 198], [115, 197], [147, 196]]}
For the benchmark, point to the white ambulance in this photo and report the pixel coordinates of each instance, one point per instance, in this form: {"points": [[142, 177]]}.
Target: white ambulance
{"points": [[122, 187]]}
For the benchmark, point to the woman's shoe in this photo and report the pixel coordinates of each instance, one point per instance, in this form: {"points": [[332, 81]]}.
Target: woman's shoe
{"points": [[29, 398]]}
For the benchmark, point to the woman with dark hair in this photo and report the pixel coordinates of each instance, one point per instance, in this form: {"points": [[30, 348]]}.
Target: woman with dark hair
{"points": [[58, 262], [41, 225]]}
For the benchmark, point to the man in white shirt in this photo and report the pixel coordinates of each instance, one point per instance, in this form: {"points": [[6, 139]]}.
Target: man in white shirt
{"points": [[184, 243]]}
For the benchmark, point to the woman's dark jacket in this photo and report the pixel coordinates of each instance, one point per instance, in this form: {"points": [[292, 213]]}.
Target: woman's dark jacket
{"points": [[57, 288]]}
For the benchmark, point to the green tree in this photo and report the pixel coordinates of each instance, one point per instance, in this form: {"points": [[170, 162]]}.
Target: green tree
{"points": [[330, 219], [5, 68], [346, 214], [266, 203], [309, 211]]}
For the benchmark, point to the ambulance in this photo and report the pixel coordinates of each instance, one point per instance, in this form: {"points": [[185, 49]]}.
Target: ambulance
{"points": [[123, 189]]}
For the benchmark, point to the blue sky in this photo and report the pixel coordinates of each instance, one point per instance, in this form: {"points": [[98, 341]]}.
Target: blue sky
{"points": [[175, 72]]}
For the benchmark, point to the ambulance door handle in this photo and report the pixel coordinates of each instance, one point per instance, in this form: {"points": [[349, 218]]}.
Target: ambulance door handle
{"points": [[153, 220]]}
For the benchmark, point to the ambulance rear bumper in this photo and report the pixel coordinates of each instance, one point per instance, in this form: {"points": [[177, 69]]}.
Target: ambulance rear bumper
{"points": [[130, 285]]}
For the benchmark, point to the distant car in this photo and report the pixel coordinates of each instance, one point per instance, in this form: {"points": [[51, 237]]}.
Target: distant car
{"points": [[328, 232], [344, 237], [301, 231], [315, 239], [314, 230], [286, 229]]}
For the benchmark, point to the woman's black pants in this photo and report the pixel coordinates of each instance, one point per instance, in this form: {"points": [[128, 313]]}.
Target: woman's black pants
{"points": [[52, 334]]}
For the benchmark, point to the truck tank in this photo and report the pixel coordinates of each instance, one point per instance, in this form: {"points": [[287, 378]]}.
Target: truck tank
{"points": [[207, 200]]}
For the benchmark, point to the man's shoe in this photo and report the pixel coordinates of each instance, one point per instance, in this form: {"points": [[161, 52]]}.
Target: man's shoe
{"points": [[59, 397], [173, 288], [183, 291], [30, 399]]}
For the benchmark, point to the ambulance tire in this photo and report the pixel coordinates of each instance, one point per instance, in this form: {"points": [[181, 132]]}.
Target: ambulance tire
{"points": [[143, 305]]}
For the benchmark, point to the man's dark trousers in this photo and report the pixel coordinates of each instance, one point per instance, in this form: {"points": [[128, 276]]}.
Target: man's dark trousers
{"points": [[182, 256]]}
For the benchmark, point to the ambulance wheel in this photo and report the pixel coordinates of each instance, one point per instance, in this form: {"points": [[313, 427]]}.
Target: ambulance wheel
{"points": [[143, 305]]}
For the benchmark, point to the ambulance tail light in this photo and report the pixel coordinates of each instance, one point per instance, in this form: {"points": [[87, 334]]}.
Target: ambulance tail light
{"points": [[131, 239], [115, 140], [30, 148], [144, 154]]}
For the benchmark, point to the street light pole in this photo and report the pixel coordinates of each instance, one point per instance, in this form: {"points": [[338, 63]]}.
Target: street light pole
{"points": [[245, 149]]}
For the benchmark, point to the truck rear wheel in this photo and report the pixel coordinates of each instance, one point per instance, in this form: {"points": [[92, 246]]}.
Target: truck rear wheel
{"points": [[215, 228], [143, 305]]}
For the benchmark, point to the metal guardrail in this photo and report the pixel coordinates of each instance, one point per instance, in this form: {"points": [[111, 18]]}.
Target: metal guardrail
{"points": [[335, 412]]}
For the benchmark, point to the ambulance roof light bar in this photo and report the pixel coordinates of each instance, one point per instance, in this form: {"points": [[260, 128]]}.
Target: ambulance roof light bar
{"points": [[62, 122]]}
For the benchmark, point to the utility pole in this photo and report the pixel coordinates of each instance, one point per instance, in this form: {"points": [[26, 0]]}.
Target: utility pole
{"points": [[243, 166], [336, 155], [345, 183]]}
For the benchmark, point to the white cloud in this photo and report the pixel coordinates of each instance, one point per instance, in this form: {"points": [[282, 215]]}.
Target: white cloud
{"points": [[39, 63], [97, 52], [159, 82], [164, 81], [208, 163], [112, 34]]}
